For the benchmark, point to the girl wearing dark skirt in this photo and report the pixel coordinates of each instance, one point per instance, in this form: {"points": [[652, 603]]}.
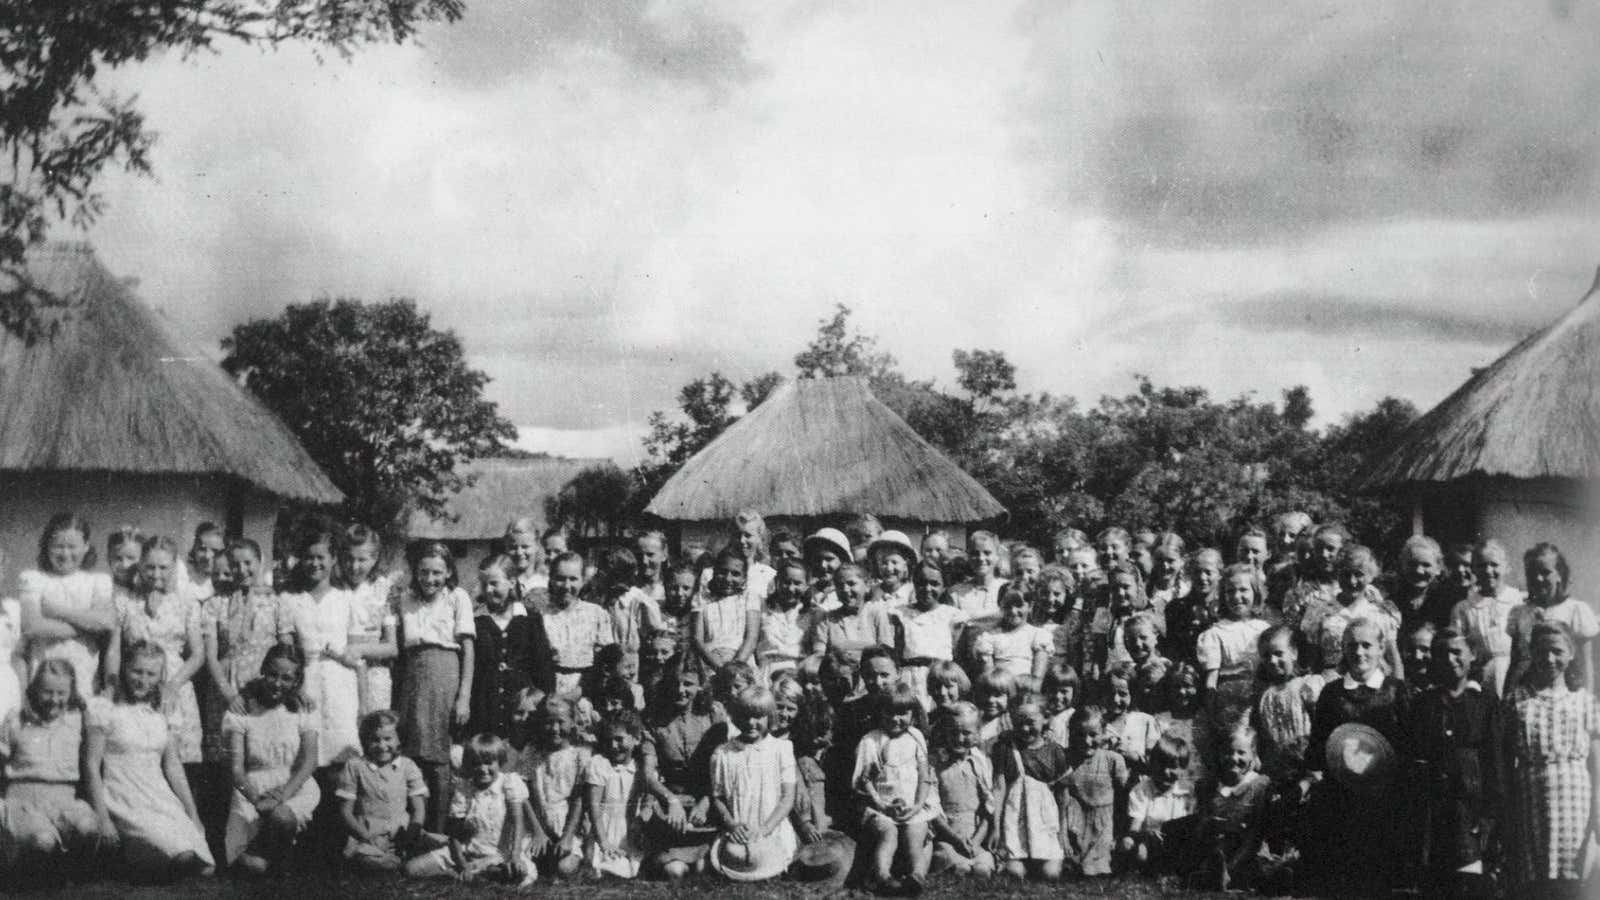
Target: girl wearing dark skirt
{"points": [[436, 632]]}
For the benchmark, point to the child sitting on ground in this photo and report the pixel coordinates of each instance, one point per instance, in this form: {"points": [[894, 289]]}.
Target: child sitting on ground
{"points": [[894, 782], [966, 793], [488, 822], [1160, 808], [383, 799]]}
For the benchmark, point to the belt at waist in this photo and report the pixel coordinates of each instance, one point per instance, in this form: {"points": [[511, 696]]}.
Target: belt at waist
{"points": [[574, 670], [925, 662]]}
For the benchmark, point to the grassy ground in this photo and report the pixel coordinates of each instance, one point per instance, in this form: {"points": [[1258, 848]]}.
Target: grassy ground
{"points": [[329, 885]]}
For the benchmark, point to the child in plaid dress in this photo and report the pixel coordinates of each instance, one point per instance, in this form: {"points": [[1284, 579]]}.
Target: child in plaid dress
{"points": [[1552, 731]]}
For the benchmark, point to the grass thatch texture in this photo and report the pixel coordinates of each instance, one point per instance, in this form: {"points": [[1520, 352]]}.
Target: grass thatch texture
{"points": [[1534, 413], [504, 489], [820, 447], [108, 389]]}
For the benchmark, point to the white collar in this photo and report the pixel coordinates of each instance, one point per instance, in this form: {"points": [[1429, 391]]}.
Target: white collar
{"points": [[1374, 680]]}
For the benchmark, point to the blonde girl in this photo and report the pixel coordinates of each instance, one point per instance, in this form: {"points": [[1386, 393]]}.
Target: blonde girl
{"points": [[980, 599], [1167, 575], [40, 746], [749, 541], [1227, 650], [133, 775], [273, 746], [65, 610], [753, 780], [553, 766], [372, 633], [1485, 615], [437, 637], [161, 614], [529, 582]]}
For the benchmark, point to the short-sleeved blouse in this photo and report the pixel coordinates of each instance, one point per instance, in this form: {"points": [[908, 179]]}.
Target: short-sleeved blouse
{"points": [[370, 608], [271, 737], [930, 633], [42, 751], [1013, 650], [1230, 646], [576, 632], [440, 622], [246, 625]]}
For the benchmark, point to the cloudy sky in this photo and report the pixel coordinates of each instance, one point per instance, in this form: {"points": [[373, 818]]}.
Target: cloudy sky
{"points": [[606, 199]]}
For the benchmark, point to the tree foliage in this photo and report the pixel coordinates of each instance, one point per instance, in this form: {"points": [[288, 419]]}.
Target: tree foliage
{"points": [[1168, 458], [385, 403], [61, 132], [595, 503]]}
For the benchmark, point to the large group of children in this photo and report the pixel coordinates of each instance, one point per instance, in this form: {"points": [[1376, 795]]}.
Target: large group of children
{"points": [[817, 707]]}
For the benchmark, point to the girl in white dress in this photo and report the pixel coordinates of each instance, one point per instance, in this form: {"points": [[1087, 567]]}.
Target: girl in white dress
{"points": [[553, 765], [273, 747], [320, 618], [66, 610], [1485, 616], [160, 613], [134, 777], [614, 796], [753, 781], [372, 636]]}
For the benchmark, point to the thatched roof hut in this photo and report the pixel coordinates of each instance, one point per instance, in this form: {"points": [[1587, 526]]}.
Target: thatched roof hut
{"points": [[110, 415], [1512, 454], [818, 449], [503, 489]]}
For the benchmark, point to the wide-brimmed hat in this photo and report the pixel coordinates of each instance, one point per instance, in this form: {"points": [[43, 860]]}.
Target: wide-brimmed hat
{"points": [[755, 861], [893, 540], [827, 858], [1360, 758], [831, 538]]}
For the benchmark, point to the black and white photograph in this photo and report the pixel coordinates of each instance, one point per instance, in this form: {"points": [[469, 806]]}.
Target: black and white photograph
{"points": [[807, 449]]}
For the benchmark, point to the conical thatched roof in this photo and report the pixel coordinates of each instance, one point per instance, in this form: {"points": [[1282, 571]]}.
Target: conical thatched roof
{"points": [[109, 390], [1534, 413], [819, 447]]}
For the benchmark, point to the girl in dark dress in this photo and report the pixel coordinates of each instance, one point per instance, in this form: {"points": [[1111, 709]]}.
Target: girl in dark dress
{"points": [[509, 650]]}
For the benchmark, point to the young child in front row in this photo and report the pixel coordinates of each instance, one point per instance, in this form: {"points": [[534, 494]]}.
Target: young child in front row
{"points": [[44, 822], [383, 799], [1223, 851], [753, 782], [488, 822], [1159, 808], [553, 765], [893, 779], [966, 794], [1029, 771], [613, 798], [1097, 777]]}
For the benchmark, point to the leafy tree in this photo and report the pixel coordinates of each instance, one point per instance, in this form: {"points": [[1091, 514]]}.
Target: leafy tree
{"points": [[596, 502], [836, 350], [705, 406], [381, 400], [61, 132], [759, 388]]}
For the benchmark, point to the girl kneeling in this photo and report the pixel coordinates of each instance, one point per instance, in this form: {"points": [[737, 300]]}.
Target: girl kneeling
{"points": [[273, 746]]}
